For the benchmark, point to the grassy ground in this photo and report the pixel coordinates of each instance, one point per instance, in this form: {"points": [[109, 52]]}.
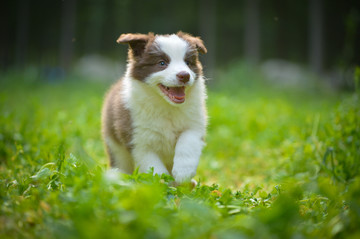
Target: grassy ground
{"points": [[279, 163]]}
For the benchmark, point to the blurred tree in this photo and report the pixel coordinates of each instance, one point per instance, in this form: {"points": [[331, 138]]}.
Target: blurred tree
{"points": [[316, 35], [67, 35], [95, 22], [22, 29], [207, 30], [5, 44], [296, 31], [252, 30], [352, 21], [282, 27]]}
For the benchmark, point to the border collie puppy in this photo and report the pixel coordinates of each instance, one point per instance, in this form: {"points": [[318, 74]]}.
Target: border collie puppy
{"points": [[155, 116]]}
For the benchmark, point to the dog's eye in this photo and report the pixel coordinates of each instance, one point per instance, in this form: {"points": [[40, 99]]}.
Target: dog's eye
{"points": [[188, 63], [162, 63]]}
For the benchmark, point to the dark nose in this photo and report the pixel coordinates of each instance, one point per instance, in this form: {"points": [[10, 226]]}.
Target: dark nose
{"points": [[183, 76]]}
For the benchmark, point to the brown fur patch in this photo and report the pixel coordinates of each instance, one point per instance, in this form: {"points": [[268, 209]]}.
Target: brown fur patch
{"points": [[192, 55], [149, 62], [116, 119], [137, 42], [192, 60], [144, 55], [194, 41]]}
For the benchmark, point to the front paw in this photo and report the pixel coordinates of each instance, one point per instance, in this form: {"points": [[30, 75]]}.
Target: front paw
{"points": [[183, 174], [187, 184]]}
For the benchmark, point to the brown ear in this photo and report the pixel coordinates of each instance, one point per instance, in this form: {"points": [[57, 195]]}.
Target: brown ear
{"points": [[137, 42], [193, 40]]}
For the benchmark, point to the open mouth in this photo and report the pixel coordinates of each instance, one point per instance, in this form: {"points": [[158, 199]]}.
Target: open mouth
{"points": [[175, 94]]}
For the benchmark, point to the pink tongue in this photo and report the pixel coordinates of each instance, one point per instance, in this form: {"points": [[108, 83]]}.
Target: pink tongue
{"points": [[178, 92]]}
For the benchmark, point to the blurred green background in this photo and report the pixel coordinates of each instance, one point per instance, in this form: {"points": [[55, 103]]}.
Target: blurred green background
{"points": [[59, 36], [282, 158]]}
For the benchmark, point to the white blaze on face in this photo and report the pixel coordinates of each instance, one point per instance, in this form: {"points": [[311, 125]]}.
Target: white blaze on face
{"points": [[173, 46], [176, 48], [166, 81]]}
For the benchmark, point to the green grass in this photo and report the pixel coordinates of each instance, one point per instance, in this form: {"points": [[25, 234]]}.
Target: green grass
{"points": [[279, 163]]}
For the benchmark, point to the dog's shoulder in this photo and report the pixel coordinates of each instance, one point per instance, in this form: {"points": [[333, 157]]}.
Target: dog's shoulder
{"points": [[116, 115]]}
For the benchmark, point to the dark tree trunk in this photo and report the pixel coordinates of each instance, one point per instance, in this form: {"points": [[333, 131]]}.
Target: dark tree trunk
{"points": [[207, 25], [22, 30], [5, 44], [67, 34], [93, 33], [316, 35], [252, 30], [281, 33]]}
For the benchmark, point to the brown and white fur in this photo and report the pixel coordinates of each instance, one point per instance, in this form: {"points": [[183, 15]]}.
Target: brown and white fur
{"points": [[155, 116]]}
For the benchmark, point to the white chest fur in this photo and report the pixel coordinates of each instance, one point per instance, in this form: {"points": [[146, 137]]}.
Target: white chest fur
{"points": [[157, 125]]}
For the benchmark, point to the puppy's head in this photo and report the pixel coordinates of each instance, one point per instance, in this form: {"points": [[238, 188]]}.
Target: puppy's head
{"points": [[167, 63]]}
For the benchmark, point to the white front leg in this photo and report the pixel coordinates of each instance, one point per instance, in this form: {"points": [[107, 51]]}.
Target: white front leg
{"points": [[146, 160], [187, 154]]}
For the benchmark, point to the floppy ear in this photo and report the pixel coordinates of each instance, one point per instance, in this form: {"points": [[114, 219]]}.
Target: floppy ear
{"points": [[137, 42], [199, 44]]}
